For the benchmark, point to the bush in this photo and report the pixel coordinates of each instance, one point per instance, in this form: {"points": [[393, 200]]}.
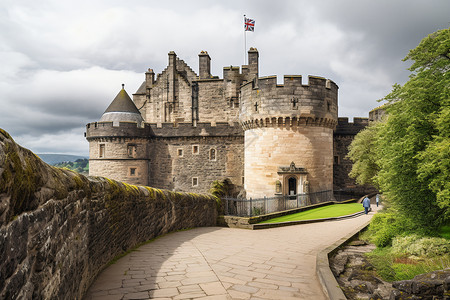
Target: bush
{"points": [[386, 225], [383, 228], [420, 246]]}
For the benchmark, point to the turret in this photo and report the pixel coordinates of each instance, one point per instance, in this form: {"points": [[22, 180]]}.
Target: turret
{"points": [[288, 135], [118, 142]]}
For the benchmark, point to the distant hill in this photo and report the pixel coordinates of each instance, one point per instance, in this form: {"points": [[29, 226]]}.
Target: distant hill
{"points": [[53, 159], [81, 165]]}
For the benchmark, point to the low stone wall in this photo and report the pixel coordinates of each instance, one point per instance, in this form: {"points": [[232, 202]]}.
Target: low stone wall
{"points": [[59, 229]]}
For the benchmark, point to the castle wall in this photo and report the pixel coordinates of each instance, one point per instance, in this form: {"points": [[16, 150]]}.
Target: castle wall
{"points": [[63, 228], [164, 156], [266, 99], [343, 136], [188, 164], [120, 170], [266, 149]]}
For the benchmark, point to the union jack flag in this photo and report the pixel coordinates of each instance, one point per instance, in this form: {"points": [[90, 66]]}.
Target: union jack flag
{"points": [[249, 24]]}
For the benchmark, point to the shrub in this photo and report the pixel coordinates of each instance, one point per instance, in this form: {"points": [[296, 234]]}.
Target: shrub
{"points": [[420, 246], [386, 225], [383, 229]]}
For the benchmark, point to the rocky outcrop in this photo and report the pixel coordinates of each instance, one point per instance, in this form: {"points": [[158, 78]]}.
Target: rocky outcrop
{"points": [[355, 275], [358, 278], [433, 286], [59, 229]]}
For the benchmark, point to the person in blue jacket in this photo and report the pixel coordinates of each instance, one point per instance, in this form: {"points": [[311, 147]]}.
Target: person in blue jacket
{"points": [[366, 205]]}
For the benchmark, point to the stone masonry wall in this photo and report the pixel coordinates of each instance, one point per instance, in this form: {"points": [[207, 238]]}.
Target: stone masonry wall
{"points": [[119, 157], [267, 149], [214, 101], [175, 162], [59, 229], [343, 136]]}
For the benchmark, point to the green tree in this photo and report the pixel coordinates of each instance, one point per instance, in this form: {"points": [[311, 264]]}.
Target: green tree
{"points": [[409, 157], [363, 153]]}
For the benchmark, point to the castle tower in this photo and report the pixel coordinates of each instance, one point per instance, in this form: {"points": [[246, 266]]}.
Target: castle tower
{"points": [[118, 143], [288, 135]]}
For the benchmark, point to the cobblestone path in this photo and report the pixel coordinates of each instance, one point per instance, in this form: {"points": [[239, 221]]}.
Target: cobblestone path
{"points": [[224, 263]]}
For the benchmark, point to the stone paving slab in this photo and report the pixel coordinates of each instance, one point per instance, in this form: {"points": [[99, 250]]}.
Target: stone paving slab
{"points": [[225, 263]]}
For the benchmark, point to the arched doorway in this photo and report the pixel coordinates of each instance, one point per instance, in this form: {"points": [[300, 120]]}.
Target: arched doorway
{"points": [[292, 187]]}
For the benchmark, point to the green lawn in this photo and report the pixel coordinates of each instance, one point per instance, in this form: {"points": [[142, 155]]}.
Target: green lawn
{"points": [[329, 211]]}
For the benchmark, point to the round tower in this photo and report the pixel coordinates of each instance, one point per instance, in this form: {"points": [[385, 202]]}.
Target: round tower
{"points": [[118, 142], [288, 135]]}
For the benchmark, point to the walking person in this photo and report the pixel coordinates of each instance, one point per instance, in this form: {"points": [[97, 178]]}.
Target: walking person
{"points": [[366, 205], [377, 198]]}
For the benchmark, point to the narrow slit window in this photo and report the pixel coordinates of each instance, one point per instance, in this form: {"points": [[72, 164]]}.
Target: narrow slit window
{"points": [[195, 149], [101, 151], [194, 181], [212, 154], [131, 149]]}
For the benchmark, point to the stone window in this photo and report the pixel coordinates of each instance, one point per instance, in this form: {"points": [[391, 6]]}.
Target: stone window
{"points": [[234, 102], [194, 181], [336, 160], [195, 149], [328, 106], [212, 154], [243, 180], [101, 152], [131, 150], [294, 103], [132, 172], [180, 152]]}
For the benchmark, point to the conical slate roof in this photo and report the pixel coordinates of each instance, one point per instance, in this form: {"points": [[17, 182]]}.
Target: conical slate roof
{"points": [[122, 103], [122, 109]]}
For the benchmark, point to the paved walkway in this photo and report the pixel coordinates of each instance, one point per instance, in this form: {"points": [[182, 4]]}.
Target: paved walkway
{"points": [[224, 263]]}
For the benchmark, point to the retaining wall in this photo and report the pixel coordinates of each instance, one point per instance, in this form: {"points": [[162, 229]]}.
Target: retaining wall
{"points": [[59, 229]]}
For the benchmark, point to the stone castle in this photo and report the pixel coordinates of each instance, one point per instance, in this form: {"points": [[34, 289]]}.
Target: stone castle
{"points": [[182, 131]]}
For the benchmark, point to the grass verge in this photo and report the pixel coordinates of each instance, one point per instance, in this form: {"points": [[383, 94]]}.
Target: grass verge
{"points": [[392, 267], [329, 211]]}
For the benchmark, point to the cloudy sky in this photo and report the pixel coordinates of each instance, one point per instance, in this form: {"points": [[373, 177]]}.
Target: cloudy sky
{"points": [[63, 62]]}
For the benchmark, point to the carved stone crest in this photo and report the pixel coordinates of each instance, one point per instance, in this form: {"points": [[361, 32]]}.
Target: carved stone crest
{"points": [[291, 169]]}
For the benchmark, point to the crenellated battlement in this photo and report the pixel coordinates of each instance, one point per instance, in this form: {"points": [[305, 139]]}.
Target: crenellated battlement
{"points": [[290, 81], [344, 127], [169, 130], [264, 101], [288, 122]]}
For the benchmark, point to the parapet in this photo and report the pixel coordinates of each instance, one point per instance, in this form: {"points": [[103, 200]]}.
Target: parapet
{"points": [[110, 129], [289, 81], [344, 127], [169, 130], [221, 129], [314, 103]]}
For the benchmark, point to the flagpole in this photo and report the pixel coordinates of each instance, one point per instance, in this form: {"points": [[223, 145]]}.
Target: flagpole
{"points": [[245, 43]]}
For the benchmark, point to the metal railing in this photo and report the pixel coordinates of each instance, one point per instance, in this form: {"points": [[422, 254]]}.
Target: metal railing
{"points": [[261, 206]]}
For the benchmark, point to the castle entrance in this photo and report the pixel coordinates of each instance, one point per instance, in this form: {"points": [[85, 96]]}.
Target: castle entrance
{"points": [[292, 184], [293, 180]]}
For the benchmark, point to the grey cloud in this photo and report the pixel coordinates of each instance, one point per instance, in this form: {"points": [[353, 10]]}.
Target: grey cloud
{"points": [[62, 64]]}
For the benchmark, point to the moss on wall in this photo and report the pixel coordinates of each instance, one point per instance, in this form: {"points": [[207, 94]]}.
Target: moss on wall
{"points": [[65, 227]]}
